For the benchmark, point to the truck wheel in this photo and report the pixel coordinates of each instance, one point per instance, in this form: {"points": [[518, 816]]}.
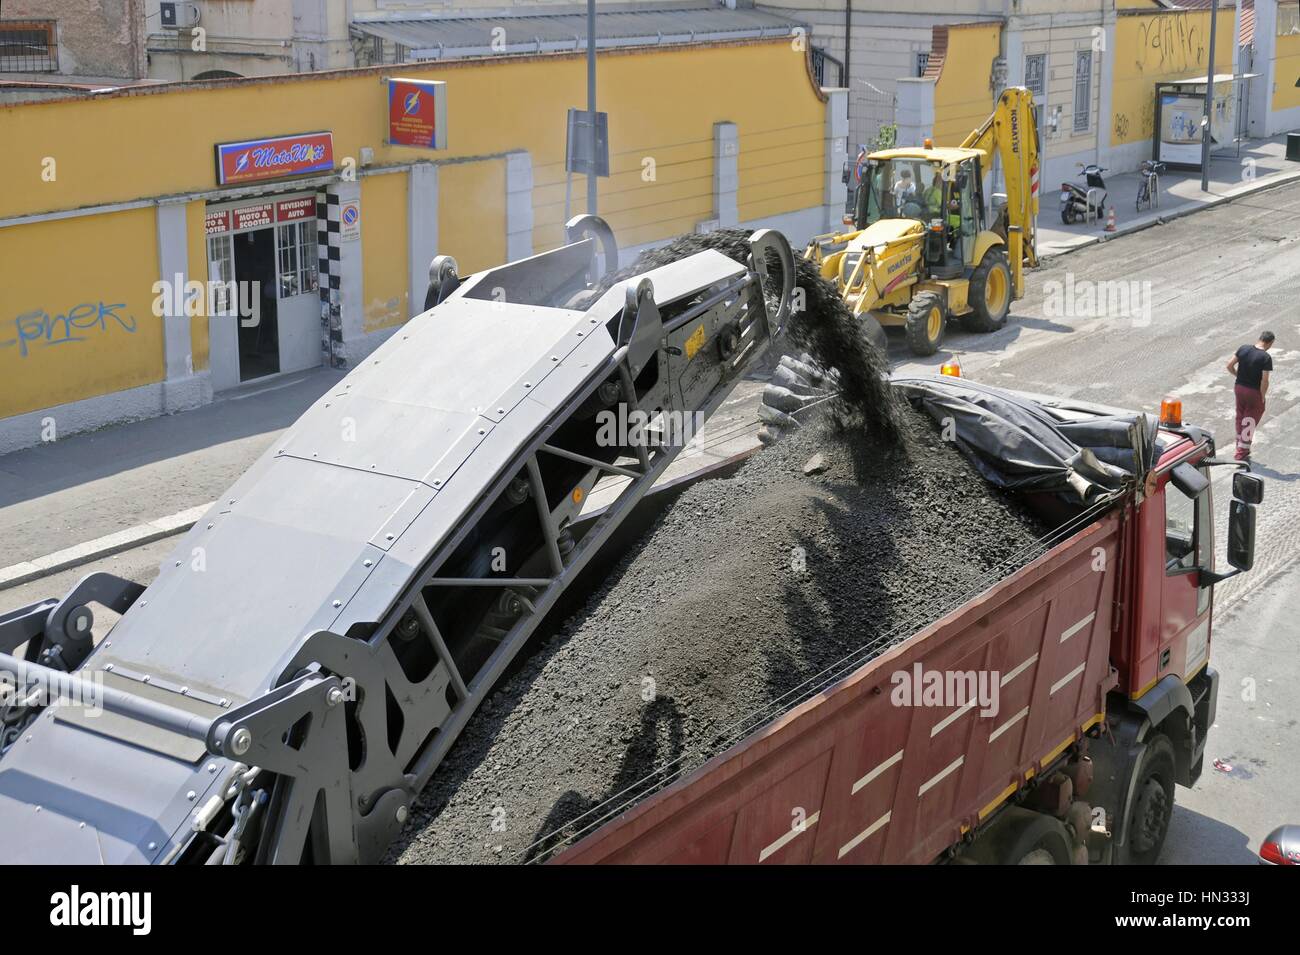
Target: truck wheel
{"points": [[1021, 837], [926, 317], [1152, 806], [990, 294]]}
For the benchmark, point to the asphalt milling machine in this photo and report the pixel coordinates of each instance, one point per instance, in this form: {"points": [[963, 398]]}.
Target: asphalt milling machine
{"points": [[286, 687]]}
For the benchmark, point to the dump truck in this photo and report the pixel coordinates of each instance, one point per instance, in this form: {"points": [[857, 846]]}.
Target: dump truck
{"points": [[1098, 648], [314, 646], [927, 244]]}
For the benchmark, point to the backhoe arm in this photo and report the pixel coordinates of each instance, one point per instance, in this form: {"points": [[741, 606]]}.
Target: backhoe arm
{"points": [[1012, 133]]}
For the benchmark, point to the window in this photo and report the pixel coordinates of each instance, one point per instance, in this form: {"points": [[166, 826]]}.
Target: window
{"points": [[1036, 76], [28, 46], [296, 242], [221, 275], [1082, 90], [922, 62], [1180, 530], [1288, 19]]}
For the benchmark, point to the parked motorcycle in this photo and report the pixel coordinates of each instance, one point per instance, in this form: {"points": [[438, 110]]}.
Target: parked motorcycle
{"points": [[1074, 198]]}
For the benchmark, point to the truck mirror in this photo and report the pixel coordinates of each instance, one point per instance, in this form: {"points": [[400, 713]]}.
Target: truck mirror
{"points": [[1189, 480], [1248, 487], [1241, 535]]}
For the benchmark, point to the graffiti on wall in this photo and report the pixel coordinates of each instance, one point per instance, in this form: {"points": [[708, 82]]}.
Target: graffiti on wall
{"points": [[1141, 124], [1169, 43], [40, 329]]}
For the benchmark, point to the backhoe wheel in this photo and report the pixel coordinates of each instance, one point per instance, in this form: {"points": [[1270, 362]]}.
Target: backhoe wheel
{"points": [[925, 320], [1152, 805], [990, 294]]}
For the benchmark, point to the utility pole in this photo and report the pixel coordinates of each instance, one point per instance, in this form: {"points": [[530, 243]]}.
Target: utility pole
{"points": [[591, 101], [1208, 122]]}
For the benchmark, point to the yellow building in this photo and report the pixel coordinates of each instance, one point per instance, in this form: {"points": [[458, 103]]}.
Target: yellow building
{"points": [[126, 216]]}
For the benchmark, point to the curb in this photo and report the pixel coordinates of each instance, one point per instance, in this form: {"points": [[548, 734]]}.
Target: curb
{"points": [[137, 536], [1273, 182]]}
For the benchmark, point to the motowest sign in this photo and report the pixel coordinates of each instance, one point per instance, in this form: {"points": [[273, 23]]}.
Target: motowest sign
{"points": [[257, 159], [417, 113]]}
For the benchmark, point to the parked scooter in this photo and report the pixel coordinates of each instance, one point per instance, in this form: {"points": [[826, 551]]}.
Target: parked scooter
{"points": [[1074, 198]]}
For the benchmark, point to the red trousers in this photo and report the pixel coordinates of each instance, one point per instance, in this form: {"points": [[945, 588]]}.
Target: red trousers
{"points": [[1250, 409]]}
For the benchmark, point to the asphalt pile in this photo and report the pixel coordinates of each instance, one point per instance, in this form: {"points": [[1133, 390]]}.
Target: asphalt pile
{"points": [[826, 548]]}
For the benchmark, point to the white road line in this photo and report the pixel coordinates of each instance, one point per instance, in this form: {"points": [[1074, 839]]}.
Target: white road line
{"points": [[947, 720], [865, 833], [1068, 677], [1008, 724], [876, 772], [938, 777], [1078, 626], [1018, 670], [789, 836]]}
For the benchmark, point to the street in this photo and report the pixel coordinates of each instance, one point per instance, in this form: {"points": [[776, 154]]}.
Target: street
{"points": [[1213, 281]]}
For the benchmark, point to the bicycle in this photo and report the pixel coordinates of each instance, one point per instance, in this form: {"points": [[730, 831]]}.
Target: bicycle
{"points": [[1149, 186]]}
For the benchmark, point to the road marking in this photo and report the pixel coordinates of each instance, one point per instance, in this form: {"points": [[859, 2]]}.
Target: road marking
{"points": [[865, 833], [1019, 670], [876, 772], [1068, 677], [789, 836], [938, 777], [1078, 626], [947, 720], [1008, 724]]}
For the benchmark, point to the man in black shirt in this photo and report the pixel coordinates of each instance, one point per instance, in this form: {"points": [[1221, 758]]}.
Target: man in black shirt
{"points": [[1251, 365]]}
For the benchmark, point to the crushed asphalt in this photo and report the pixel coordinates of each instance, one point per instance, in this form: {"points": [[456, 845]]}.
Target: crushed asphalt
{"points": [[837, 540]]}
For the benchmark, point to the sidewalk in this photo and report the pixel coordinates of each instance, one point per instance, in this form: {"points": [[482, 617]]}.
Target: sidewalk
{"points": [[98, 493], [1262, 163]]}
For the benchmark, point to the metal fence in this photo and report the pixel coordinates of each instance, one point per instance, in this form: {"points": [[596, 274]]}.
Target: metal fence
{"points": [[28, 46], [820, 61]]}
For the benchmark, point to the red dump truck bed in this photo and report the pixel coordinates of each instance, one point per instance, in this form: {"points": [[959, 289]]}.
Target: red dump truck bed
{"points": [[851, 776]]}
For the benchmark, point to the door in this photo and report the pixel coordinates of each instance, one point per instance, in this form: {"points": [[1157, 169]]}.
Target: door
{"points": [[223, 318], [255, 275], [298, 301]]}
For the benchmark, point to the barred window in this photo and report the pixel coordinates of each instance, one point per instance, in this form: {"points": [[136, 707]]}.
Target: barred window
{"points": [[1082, 91], [28, 46], [297, 252]]}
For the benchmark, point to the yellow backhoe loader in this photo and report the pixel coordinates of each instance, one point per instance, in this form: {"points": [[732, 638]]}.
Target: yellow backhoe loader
{"points": [[925, 246]]}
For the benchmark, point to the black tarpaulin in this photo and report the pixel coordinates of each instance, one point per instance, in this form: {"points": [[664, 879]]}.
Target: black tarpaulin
{"points": [[1028, 442]]}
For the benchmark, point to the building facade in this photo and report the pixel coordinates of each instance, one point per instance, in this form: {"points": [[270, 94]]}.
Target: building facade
{"points": [[123, 306]]}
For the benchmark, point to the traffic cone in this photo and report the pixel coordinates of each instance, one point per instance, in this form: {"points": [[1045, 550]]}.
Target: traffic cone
{"points": [[1110, 219]]}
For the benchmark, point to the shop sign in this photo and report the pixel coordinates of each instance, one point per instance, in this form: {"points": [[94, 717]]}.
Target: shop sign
{"points": [[417, 113], [291, 210], [257, 159], [252, 217], [215, 223], [259, 215]]}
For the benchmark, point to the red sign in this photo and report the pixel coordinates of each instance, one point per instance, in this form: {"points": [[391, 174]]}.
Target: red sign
{"points": [[291, 210], [216, 222], [417, 113], [253, 217], [258, 159]]}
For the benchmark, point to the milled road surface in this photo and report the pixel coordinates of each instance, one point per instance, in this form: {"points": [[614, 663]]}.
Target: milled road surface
{"points": [[746, 590]]}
